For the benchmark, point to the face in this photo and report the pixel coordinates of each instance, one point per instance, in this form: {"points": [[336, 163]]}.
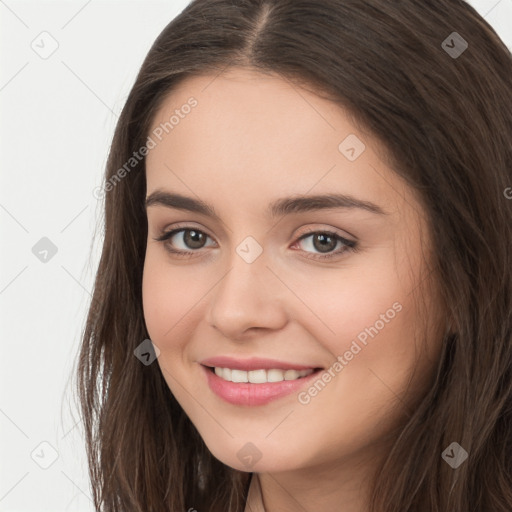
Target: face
{"points": [[314, 302]]}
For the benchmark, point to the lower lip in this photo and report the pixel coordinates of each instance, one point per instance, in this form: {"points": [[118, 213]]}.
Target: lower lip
{"points": [[245, 393]]}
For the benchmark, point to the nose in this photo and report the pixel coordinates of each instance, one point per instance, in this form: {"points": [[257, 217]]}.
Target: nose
{"points": [[249, 298]]}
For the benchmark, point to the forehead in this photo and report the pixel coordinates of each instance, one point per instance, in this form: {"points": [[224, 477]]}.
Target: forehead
{"points": [[256, 105], [263, 136]]}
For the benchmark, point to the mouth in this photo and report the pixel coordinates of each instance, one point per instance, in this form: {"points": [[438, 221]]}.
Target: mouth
{"points": [[260, 376], [256, 386]]}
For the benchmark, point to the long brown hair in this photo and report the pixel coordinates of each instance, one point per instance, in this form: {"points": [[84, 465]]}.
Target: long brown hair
{"points": [[441, 104]]}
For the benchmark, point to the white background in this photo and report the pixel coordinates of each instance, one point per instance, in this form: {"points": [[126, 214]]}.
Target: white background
{"points": [[57, 119]]}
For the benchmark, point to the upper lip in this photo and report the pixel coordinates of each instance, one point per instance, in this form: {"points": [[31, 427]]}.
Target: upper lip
{"points": [[254, 363]]}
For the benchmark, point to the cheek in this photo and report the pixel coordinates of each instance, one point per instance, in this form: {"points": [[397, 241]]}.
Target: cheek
{"points": [[367, 316], [349, 302], [168, 293]]}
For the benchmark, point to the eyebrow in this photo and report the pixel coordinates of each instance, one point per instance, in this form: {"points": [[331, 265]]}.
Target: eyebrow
{"points": [[280, 207]]}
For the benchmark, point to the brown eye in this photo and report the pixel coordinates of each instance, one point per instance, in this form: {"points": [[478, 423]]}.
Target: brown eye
{"points": [[194, 239], [322, 244], [183, 240]]}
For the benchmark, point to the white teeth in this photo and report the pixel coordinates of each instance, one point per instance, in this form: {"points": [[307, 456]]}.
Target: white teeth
{"points": [[291, 375], [275, 375], [257, 376], [239, 376], [260, 376]]}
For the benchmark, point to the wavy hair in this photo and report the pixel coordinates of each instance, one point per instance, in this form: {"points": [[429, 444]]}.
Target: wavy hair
{"points": [[443, 111]]}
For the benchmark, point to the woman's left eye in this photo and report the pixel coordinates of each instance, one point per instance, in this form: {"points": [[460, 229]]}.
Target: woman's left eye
{"points": [[193, 239], [324, 241]]}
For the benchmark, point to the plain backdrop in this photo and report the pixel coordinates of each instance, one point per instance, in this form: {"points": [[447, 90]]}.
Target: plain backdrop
{"points": [[66, 70]]}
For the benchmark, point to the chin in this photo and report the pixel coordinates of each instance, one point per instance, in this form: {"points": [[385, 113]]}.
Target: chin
{"points": [[258, 457]]}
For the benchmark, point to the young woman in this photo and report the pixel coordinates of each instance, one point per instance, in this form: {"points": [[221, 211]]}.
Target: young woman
{"points": [[304, 297]]}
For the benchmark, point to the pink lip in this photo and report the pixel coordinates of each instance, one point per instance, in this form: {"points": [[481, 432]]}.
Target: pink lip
{"points": [[245, 393], [253, 363]]}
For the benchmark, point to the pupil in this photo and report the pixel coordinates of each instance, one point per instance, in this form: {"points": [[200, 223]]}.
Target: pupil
{"points": [[194, 239], [324, 247]]}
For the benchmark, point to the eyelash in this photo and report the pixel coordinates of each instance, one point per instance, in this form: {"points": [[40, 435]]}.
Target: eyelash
{"points": [[349, 245]]}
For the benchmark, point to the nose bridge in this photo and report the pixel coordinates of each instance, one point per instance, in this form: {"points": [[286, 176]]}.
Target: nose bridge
{"points": [[248, 267], [243, 280], [246, 296], [246, 281]]}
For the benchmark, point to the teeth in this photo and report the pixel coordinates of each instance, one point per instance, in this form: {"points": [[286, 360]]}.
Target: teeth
{"points": [[275, 375], [291, 375], [239, 376], [260, 376], [257, 376]]}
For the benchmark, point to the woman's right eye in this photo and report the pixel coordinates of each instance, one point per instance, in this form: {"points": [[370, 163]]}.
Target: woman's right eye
{"points": [[191, 238]]}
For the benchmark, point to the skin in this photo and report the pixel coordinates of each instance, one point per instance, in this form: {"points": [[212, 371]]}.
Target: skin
{"points": [[252, 139]]}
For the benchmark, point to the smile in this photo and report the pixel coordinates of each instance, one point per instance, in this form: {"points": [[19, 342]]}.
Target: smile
{"points": [[256, 387], [260, 376]]}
